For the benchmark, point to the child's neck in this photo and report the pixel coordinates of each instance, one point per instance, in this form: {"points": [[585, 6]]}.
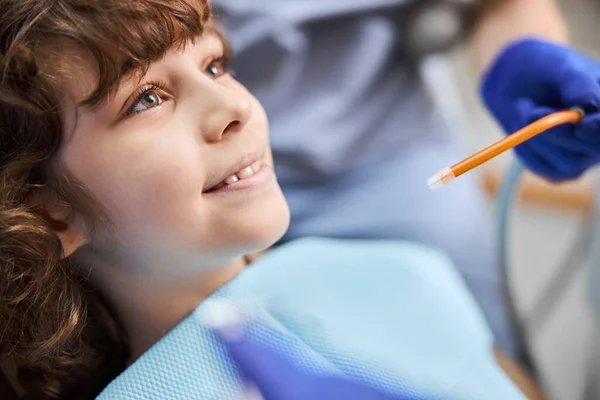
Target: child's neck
{"points": [[149, 310]]}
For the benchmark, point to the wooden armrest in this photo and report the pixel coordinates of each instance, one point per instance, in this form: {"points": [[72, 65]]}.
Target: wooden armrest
{"points": [[534, 192]]}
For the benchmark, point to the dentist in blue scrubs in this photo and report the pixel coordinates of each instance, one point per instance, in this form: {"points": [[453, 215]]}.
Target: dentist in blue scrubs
{"points": [[355, 133]]}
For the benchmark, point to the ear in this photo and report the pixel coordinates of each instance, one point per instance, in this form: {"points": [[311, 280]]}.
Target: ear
{"points": [[71, 238], [63, 219]]}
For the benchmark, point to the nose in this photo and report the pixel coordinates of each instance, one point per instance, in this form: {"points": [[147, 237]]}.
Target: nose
{"points": [[229, 112]]}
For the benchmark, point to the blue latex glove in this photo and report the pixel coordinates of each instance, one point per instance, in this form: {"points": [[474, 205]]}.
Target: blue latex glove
{"points": [[532, 78], [275, 378]]}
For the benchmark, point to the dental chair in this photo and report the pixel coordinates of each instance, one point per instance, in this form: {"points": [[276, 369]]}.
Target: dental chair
{"points": [[582, 261]]}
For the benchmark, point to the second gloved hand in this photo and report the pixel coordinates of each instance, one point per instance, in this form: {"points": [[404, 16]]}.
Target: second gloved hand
{"points": [[270, 375], [276, 378], [532, 78]]}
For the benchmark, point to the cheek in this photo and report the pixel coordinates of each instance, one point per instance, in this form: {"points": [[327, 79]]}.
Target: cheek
{"points": [[144, 185], [259, 116], [259, 123]]}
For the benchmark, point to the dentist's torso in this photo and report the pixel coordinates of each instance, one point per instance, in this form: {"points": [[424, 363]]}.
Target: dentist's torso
{"points": [[355, 133], [332, 78]]}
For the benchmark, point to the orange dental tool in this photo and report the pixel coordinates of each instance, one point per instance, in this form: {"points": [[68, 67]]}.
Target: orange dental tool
{"points": [[448, 174]]}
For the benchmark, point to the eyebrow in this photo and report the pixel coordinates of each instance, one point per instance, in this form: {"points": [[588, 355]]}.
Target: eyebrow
{"points": [[94, 101], [129, 71]]}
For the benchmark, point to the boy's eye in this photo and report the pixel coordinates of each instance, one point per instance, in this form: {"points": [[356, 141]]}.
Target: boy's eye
{"points": [[147, 100], [217, 68]]}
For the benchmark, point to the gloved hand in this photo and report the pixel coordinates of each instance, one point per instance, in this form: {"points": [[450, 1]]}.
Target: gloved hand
{"points": [[532, 78], [270, 375], [275, 378]]}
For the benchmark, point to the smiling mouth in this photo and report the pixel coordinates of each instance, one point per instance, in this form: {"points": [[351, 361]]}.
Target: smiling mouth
{"points": [[242, 174]]}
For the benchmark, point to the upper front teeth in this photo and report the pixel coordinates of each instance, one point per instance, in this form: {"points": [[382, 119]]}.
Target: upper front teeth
{"points": [[231, 179], [244, 173]]}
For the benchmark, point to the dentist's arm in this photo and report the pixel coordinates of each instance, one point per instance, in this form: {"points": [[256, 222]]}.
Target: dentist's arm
{"points": [[500, 22], [526, 71]]}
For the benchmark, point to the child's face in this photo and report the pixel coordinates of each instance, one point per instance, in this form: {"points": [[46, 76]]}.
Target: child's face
{"points": [[180, 161]]}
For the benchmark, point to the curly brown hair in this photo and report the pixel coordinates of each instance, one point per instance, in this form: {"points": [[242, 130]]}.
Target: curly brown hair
{"points": [[54, 327]]}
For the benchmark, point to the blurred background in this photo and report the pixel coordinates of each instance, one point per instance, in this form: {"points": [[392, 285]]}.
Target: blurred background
{"points": [[553, 275]]}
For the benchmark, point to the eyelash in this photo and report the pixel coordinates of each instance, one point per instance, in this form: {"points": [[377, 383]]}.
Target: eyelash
{"points": [[223, 62], [159, 86], [153, 86]]}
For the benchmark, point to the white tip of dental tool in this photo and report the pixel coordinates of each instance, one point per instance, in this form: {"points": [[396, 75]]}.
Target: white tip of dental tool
{"points": [[441, 178], [223, 317]]}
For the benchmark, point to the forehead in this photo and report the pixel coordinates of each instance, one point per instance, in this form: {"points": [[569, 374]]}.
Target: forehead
{"points": [[78, 75]]}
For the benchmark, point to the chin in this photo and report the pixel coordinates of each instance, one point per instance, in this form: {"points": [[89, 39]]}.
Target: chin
{"points": [[273, 226], [267, 227]]}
